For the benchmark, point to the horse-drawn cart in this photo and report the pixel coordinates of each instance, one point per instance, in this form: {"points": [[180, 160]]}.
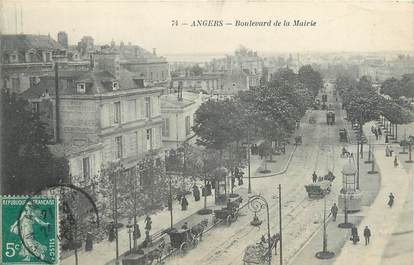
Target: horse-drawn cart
{"points": [[228, 214], [318, 189], [182, 240], [260, 253]]}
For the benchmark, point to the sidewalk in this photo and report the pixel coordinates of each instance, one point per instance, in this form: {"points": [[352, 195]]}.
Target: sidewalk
{"points": [[104, 251], [391, 241], [380, 219]]}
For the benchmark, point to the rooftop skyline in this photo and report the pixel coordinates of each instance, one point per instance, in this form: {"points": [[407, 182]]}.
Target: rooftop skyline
{"points": [[351, 26]]}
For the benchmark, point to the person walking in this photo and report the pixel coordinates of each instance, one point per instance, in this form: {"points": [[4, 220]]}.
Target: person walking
{"points": [[184, 203], [89, 242], [391, 200], [367, 235], [354, 233], [334, 211], [395, 161], [314, 177], [148, 223], [196, 193]]}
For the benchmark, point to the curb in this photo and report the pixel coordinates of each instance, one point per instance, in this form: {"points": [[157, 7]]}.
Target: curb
{"points": [[277, 173]]}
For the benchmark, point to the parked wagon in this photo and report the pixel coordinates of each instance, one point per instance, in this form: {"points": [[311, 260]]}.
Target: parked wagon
{"points": [[318, 189], [330, 118], [343, 136], [182, 240]]}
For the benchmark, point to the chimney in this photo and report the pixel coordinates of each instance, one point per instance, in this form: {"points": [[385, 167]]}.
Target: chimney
{"points": [[180, 92], [154, 51], [91, 62]]}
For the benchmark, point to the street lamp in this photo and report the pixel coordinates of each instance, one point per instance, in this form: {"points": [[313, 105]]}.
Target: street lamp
{"points": [[324, 254], [256, 204]]}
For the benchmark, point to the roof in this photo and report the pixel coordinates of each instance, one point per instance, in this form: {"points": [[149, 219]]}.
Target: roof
{"points": [[349, 169], [171, 100], [96, 83], [24, 42]]}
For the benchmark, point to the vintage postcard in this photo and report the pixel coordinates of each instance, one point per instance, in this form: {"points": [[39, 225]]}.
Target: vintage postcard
{"points": [[206, 132]]}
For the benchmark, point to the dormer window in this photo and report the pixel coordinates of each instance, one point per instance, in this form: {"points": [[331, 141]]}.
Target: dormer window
{"points": [[81, 88], [115, 86]]}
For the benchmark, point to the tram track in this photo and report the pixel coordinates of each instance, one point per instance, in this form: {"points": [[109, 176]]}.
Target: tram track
{"points": [[232, 241]]}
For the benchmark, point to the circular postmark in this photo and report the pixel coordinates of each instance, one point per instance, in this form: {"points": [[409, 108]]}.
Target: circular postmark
{"points": [[40, 226]]}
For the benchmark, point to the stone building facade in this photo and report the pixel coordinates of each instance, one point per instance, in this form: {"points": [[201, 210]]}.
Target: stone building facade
{"points": [[25, 58], [105, 115]]}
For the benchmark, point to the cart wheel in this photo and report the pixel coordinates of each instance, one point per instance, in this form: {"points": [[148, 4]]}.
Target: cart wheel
{"points": [[228, 220], [184, 248]]}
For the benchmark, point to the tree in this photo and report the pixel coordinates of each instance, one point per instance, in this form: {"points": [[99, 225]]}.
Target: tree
{"points": [[217, 124], [392, 88], [27, 163], [310, 78]]}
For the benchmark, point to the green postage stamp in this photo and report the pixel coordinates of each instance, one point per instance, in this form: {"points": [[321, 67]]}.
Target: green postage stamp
{"points": [[29, 230]]}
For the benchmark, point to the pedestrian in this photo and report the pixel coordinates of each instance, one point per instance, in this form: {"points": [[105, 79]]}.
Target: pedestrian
{"points": [[391, 200], [148, 223], [147, 240], [395, 161], [379, 131], [314, 177], [240, 179], [376, 134], [367, 235], [136, 233], [111, 236], [196, 193], [89, 242], [354, 233], [184, 203], [386, 138], [334, 211]]}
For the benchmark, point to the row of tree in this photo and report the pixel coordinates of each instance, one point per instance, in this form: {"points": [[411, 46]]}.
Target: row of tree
{"points": [[269, 111], [364, 104], [397, 88]]}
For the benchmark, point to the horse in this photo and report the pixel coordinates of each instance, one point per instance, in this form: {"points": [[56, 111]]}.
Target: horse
{"points": [[198, 229]]}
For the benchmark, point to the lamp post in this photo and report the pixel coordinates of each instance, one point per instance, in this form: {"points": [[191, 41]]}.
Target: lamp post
{"points": [[249, 189], [255, 204], [324, 254]]}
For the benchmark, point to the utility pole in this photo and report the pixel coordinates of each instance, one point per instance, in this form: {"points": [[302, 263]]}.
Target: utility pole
{"points": [[170, 204], [57, 103], [280, 225], [358, 165], [249, 190], [115, 192]]}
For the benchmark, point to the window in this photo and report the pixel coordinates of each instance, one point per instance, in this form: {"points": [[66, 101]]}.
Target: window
{"points": [[166, 127], [187, 125], [148, 107], [48, 57], [81, 88], [15, 84], [132, 110], [115, 86], [86, 168], [118, 146], [149, 139], [13, 58], [35, 107], [117, 112]]}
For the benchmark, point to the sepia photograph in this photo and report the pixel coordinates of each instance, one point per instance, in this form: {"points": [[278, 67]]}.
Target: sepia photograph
{"points": [[206, 132]]}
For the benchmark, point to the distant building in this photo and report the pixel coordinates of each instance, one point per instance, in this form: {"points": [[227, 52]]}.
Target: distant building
{"points": [[105, 114], [152, 68], [178, 117], [26, 57], [86, 46], [63, 39]]}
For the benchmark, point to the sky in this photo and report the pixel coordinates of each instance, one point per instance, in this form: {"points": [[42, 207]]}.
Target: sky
{"points": [[364, 26]]}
